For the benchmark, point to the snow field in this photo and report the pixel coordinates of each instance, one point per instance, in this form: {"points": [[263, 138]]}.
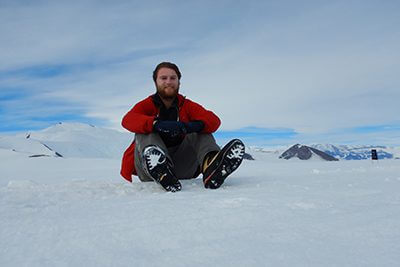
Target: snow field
{"points": [[270, 212]]}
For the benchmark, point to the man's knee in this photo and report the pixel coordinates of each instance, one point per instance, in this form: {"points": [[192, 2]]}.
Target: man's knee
{"points": [[143, 140]]}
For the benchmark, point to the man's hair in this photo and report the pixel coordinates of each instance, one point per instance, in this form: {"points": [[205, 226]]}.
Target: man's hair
{"points": [[168, 65]]}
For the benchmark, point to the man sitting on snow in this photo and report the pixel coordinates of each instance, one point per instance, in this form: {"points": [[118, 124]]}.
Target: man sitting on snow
{"points": [[173, 138]]}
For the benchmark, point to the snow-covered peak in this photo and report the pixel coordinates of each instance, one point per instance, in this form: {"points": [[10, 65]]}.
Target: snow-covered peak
{"points": [[71, 131], [26, 146], [354, 152], [81, 140]]}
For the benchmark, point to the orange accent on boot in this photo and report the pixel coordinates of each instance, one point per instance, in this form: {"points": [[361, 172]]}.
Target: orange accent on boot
{"points": [[162, 177], [208, 160]]}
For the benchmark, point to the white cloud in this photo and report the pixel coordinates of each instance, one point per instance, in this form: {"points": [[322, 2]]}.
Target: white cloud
{"points": [[312, 67], [304, 76]]}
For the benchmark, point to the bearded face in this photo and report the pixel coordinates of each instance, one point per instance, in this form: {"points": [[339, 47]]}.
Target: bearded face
{"points": [[167, 83]]}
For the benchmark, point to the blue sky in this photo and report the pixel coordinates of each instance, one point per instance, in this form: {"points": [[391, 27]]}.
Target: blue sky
{"points": [[276, 72]]}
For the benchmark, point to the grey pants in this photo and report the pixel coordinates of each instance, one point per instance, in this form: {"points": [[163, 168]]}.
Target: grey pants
{"points": [[186, 158]]}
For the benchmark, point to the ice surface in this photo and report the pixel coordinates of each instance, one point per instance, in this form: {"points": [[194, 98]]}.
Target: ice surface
{"points": [[270, 212]]}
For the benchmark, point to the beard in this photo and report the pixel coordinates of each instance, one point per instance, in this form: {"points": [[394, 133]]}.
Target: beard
{"points": [[167, 92]]}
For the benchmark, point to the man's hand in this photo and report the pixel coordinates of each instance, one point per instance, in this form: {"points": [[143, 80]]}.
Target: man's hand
{"points": [[175, 128], [172, 128], [194, 126]]}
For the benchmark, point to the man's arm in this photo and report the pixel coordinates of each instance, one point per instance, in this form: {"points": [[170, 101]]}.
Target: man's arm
{"points": [[140, 118], [196, 112]]}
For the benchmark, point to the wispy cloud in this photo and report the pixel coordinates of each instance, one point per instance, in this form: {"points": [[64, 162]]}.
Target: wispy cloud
{"points": [[319, 70], [258, 136]]}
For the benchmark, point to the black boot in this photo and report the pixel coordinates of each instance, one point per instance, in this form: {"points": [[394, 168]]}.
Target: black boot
{"points": [[226, 161], [158, 168]]}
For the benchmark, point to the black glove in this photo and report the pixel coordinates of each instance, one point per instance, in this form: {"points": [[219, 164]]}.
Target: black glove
{"points": [[172, 128], [194, 126]]}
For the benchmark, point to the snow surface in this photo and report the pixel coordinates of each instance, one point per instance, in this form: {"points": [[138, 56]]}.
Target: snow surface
{"points": [[270, 212]]}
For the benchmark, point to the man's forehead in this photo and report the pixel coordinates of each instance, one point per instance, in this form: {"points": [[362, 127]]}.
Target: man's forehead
{"points": [[167, 71]]}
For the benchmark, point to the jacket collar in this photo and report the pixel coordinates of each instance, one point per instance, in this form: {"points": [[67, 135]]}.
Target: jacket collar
{"points": [[178, 101]]}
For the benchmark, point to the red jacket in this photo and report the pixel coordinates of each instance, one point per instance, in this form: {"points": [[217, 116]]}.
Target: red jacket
{"points": [[141, 117]]}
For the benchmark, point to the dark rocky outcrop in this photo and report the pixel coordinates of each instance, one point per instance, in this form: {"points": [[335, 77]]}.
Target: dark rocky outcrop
{"points": [[38, 155], [248, 156], [304, 153]]}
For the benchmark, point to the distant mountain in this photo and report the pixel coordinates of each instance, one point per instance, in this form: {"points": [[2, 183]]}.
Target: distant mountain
{"points": [[29, 147], [72, 140], [354, 152], [248, 156], [87, 141], [69, 140], [305, 153]]}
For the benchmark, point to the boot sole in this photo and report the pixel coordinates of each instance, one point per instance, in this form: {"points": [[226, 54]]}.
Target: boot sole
{"points": [[227, 161], [162, 172]]}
